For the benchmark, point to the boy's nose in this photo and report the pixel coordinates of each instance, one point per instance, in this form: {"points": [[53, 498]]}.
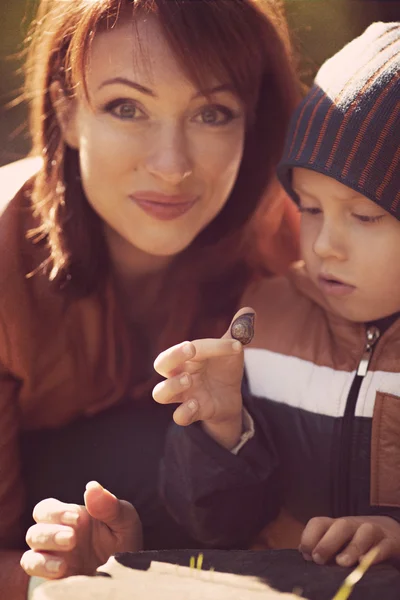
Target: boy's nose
{"points": [[329, 243]]}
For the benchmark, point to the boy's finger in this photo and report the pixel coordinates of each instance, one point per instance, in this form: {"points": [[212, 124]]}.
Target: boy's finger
{"points": [[366, 536], [313, 533], [187, 413], [386, 550], [215, 348], [171, 389], [172, 361], [338, 534], [242, 326]]}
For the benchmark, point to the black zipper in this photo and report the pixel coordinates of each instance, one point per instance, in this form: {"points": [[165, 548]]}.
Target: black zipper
{"points": [[344, 505]]}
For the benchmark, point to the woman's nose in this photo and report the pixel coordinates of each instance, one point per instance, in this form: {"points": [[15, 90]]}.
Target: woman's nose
{"points": [[169, 159]]}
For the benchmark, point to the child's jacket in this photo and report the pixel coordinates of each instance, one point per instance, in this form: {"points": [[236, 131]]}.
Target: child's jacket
{"points": [[325, 398]]}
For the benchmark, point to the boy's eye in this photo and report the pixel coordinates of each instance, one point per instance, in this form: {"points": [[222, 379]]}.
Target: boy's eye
{"points": [[368, 219], [214, 115], [310, 210]]}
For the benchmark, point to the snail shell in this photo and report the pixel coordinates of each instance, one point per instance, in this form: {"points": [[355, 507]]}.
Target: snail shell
{"points": [[242, 328]]}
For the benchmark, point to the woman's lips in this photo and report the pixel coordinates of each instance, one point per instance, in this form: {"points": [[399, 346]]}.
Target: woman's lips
{"points": [[162, 207], [334, 287]]}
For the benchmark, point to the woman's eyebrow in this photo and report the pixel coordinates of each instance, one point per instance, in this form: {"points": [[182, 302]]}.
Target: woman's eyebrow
{"points": [[145, 90], [223, 87], [133, 84]]}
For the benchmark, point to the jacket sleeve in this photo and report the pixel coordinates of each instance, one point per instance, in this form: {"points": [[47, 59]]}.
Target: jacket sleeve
{"points": [[13, 580], [11, 492], [385, 511], [222, 499]]}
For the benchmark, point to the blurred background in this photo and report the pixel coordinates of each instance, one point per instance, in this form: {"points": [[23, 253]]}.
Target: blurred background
{"points": [[319, 28]]}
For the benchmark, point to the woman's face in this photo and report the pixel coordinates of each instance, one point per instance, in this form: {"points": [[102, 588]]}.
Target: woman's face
{"points": [[158, 159]]}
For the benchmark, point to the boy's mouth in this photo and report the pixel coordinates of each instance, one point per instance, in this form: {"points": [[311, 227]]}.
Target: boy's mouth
{"points": [[334, 287]]}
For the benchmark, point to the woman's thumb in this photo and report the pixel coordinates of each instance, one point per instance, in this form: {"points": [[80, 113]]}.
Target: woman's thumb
{"points": [[120, 516], [100, 503]]}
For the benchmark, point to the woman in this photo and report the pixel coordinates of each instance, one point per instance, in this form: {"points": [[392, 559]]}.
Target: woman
{"points": [[159, 124]]}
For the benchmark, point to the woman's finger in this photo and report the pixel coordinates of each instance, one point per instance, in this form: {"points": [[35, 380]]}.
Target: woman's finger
{"points": [[338, 534], [171, 389], [49, 536], [41, 564], [51, 510], [366, 536]]}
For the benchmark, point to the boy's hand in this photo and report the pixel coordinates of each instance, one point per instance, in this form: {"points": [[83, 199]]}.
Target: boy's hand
{"points": [[205, 377], [349, 538]]}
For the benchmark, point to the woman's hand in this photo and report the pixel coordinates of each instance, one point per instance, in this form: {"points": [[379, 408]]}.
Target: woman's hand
{"points": [[204, 377], [74, 540], [349, 538]]}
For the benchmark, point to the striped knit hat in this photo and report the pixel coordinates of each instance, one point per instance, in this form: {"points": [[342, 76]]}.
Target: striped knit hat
{"points": [[348, 125]]}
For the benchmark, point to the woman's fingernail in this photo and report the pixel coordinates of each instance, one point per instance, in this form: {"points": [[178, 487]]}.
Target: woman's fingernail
{"points": [[41, 539], [93, 484], [237, 346], [69, 518], [184, 380], [63, 538], [192, 405], [53, 565], [307, 557], [187, 350], [317, 558]]}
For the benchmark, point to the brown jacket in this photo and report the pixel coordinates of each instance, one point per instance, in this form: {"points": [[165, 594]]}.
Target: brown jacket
{"points": [[58, 360]]}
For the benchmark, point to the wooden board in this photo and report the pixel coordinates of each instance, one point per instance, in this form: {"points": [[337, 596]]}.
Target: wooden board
{"points": [[161, 582]]}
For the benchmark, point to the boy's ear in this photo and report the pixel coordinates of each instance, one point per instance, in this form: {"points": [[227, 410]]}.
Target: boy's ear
{"points": [[66, 113]]}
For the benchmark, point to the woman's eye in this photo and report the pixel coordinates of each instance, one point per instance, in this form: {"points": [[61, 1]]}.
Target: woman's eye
{"points": [[368, 219], [125, 110], [214, 115]]}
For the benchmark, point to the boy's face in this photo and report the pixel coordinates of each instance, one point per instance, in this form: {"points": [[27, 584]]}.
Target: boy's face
{"points": [[351, 247]]}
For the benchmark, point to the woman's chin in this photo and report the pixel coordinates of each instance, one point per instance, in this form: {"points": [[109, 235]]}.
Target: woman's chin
{"points": [[161, 246]]}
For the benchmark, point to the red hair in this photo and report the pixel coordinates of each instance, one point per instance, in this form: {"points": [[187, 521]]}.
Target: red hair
{"points": [[243, 41]]}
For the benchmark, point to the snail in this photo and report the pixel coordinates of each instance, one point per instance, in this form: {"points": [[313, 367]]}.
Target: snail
{"points": [[242, 328]]}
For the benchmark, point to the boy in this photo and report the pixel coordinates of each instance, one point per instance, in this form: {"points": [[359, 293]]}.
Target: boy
{"points": [[321, 435]]}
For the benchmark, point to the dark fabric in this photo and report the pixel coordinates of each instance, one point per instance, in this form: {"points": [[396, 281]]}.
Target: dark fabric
{"points": [[222, 499], [121, 448], [347, 125], [285, 570], [384, 323]]}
